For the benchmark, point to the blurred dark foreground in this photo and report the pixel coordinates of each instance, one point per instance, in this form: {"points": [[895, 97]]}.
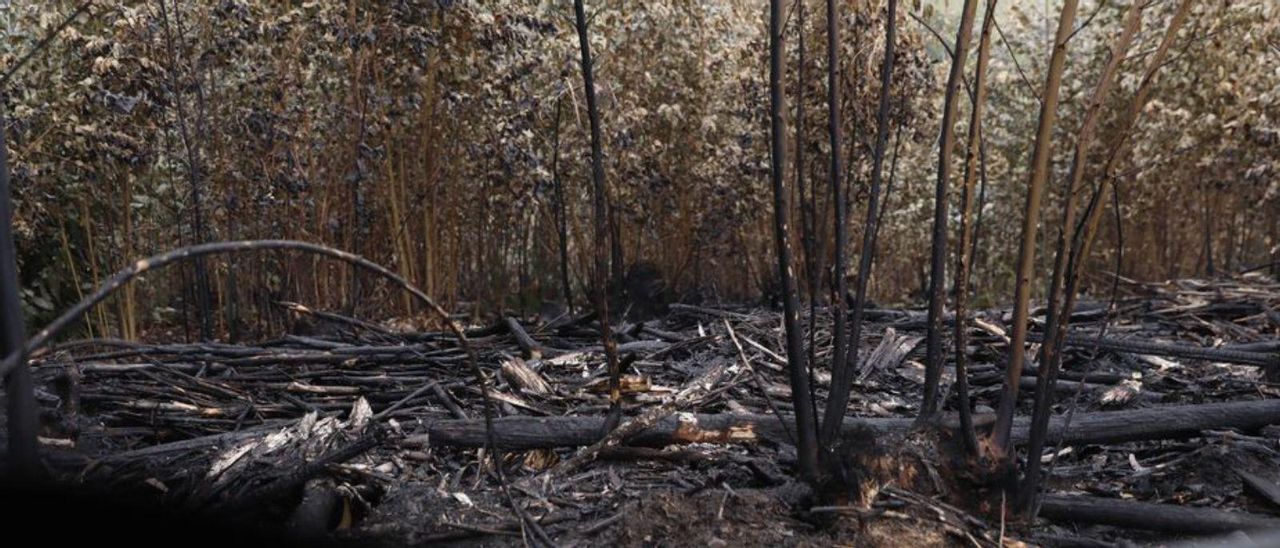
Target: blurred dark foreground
{"points": [[37, 513]]}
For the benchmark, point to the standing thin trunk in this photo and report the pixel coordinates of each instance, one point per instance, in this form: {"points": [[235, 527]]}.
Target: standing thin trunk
{"points": [[194, 177], [842, 376], [616, 257], [562, 223], [1030, 227], [982, 199], [808, 200], [1208, 229], [602, 233], [21, 413], [838, 399], [1082, 238], [1058, 316], [20, 410], [937, 262], [354, 180], [802, 399], [1085, 232], [964, 253]]}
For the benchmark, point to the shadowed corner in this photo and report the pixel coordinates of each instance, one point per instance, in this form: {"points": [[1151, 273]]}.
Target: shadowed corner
{"points": [[60, 512]]}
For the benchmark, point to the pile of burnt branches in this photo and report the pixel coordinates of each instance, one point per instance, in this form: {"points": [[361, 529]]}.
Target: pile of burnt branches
{"points": [[350, 413]]}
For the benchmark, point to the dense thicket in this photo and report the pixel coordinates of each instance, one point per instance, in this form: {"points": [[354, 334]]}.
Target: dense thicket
{"points": [[425, 135]]}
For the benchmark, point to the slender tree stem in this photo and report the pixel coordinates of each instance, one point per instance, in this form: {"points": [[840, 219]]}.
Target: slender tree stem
{"points": [[20, 411], [562, 222], [964, 253], [801, 396], [808, 203], [934, 359], [842, 376], [838, 399], [1050, 350], [1030, 228], [602, 232]]}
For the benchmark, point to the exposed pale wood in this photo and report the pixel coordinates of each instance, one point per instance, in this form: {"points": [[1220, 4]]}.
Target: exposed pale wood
{"points": [[518, 373], [683, 398], [889, 353]]}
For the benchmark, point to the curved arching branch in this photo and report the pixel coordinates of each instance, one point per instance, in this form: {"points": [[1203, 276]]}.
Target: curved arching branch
{"points": [[155, 262], [129, 273]]}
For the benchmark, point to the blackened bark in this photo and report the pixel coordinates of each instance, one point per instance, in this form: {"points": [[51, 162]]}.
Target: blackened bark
{"points": [[807, 452], [842, 377], [1056, 322], [964, 254], [1104, 427], [22, 457], [841, 341], [1167, 518], [562, 222], [808, 202], [602, 232], [938, 255]]}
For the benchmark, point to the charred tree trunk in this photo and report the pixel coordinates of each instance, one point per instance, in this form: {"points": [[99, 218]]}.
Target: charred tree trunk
{"points": [[20, 411], [562, 221], [1082, 238], [807, 452], [938, 256], [1161, 422], [841, 341], [808, 201], [1030, 227], [964, 252], [1056, 318], [1167, 518], [602, 232], [846, 358]]}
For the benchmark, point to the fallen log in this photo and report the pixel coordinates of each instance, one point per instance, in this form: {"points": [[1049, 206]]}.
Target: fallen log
{"points": [[990, 375], [1235, 539], [1226, 355], [1260, 485], [1166, 518], [1162, 422], [529, 347], [1120, 394]]}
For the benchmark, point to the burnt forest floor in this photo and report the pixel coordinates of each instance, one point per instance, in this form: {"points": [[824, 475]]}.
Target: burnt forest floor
{"points": [[344, 434]]}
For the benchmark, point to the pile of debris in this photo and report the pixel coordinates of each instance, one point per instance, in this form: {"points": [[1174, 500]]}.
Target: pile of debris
{"points": [[362, 432]]}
